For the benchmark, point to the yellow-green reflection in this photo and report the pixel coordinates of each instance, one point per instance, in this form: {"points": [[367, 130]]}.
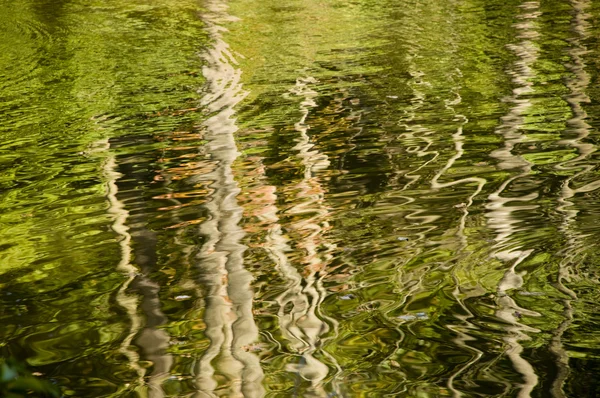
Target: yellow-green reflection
{"points": [[317, 198]]}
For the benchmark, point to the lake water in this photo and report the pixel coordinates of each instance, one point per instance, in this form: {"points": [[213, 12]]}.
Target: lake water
{"points": [[309, 198]]}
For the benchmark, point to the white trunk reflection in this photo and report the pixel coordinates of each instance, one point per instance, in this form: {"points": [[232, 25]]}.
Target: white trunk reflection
{"points": [[500, 214], [578, 84], [225, 368]]}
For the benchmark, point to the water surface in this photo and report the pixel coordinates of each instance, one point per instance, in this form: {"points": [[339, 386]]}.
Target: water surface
{"points": [[313, 199]]}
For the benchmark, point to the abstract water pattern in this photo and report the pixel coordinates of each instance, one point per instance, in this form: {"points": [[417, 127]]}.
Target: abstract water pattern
{"points": [[232, 198]]}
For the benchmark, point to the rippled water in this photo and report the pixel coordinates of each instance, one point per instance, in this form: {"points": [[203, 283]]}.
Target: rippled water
{"points": [[304, 198]]}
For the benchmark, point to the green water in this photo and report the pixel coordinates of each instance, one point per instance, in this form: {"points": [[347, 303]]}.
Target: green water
{"points": [[311, 198]]}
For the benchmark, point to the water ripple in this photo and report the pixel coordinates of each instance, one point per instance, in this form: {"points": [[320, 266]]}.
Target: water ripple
{"points": [[322, 199]]}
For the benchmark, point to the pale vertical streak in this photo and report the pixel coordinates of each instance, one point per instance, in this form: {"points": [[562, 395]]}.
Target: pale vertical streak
{"points": [[228, 314], [461, 340], [303, 326], [435, 184], [500, 216], [417, 133], [129, 302], [153, 341], [463, 337], [277, 245], [410, 283], [578, 84], [458, 140]]}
